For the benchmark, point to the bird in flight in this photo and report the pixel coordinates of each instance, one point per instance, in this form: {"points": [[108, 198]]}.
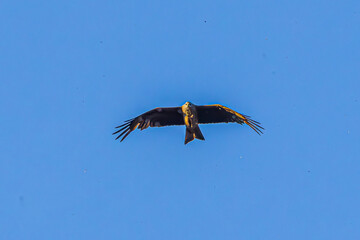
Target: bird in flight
{"points": [[189, 115]]}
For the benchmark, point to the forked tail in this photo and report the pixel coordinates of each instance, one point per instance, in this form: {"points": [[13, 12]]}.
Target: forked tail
{"points": [[191, 134]]}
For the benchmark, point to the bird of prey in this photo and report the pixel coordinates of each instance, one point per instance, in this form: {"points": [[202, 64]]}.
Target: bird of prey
{"points": [[189, 115]]}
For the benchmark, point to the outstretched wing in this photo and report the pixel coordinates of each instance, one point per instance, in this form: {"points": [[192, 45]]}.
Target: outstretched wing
{"points": [[220, 114], [158, 117]]}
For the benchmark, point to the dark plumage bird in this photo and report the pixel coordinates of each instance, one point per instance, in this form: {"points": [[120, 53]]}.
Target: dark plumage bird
{"points": [[190, 115]]}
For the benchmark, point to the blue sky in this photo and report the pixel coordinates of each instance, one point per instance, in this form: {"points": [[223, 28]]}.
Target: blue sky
{"points": [[73, 70]]}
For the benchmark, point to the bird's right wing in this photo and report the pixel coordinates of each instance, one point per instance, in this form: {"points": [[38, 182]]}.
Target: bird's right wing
{"points": [[158, 117], [220, 114]]}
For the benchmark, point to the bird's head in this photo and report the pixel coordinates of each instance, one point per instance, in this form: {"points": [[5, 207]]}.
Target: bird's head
{"points": [[188, 104]]}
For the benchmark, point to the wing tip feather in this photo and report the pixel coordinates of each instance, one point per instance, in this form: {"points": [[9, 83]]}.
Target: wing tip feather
{"points": [[254, 125], [124, 129]]}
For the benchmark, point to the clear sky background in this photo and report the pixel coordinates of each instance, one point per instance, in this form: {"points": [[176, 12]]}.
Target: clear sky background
{"points": [[70, 71]]}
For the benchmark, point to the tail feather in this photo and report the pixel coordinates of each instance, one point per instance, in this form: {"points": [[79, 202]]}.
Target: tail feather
{"points": [[198, 133], [191, 134]]}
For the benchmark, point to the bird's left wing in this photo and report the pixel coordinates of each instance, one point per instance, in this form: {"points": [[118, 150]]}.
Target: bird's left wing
{"points": [[220, 114], [158, 117]]}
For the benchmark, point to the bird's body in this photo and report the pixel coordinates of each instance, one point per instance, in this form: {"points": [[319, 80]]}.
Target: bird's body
{"points": [[189, 115], [191, 122]]}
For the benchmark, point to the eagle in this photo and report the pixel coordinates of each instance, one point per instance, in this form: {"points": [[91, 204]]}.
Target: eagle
{"points": [[190, 115]]}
